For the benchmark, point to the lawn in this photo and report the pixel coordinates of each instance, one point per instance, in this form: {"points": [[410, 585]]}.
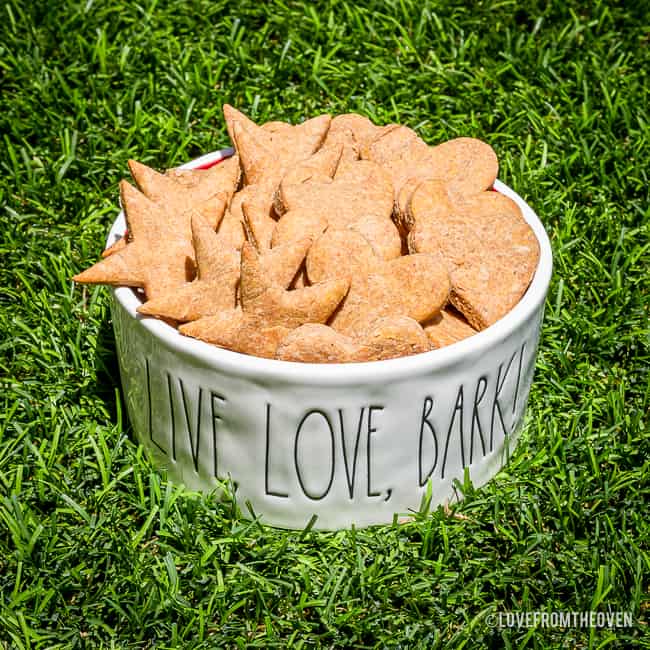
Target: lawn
{"points": [[97, 549]]}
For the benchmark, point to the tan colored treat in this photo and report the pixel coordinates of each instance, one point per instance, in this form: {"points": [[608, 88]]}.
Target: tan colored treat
{"points": [[281, 145], [277, 128], [360, 195], [340, 253], [382, 234], [363, 190], [231, 330], [414, 286], [317, 343], [255, 155], [320, 166], [491, 258], [282, 265], [447, 327], [341, 203], [231, 230], [296, 225], [485, 204], [215, 286], [388, 338], [467, 164], [160, 257], [403, 200], [354, 132], [393, 146], [271, 304], [433, 200], [115, 247], [204, 195], [394, 337], [232, 116], [430, 201], [258, 222], [267, 310], [344, 138], [200, 190], [362, 129]]}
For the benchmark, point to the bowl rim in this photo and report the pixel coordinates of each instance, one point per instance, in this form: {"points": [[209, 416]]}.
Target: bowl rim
{"points": [[367, 372]]}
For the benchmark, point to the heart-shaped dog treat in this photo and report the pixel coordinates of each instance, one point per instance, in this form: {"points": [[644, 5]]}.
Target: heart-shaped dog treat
{"points": [[433, 199], [466, 165], [490, 251], [268, 311], [416, 286]]}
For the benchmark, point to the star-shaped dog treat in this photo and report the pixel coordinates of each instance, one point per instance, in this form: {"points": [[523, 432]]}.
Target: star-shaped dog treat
{"points": [[160, 257], [267, 152], [268, 311], [202, 194], [218, 267], [215, 286], [180, 190]]}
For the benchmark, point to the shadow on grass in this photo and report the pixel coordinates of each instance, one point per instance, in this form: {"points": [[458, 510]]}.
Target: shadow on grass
{"points": [[108, 386]]}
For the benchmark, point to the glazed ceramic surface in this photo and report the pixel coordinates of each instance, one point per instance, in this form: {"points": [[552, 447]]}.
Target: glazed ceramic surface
{"points": [[350, 443]]}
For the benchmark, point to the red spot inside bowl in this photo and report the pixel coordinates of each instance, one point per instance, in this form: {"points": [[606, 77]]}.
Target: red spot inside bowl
{"points": [[212, 164]]}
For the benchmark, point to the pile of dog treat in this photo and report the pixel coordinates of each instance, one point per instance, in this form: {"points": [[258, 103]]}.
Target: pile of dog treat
{"points": [[334, 240]]}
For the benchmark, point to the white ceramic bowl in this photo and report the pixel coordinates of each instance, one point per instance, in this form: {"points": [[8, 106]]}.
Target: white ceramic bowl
{"points": [[350, 443]]}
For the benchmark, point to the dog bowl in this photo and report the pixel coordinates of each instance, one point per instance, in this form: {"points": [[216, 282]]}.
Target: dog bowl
{"points": [[339, 444]]}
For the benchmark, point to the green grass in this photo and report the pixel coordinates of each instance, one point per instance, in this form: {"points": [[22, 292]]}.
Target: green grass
{"points": [[97, 550]]}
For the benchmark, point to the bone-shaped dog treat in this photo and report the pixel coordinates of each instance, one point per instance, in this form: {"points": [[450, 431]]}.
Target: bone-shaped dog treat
{"points": [[268, 312]]}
